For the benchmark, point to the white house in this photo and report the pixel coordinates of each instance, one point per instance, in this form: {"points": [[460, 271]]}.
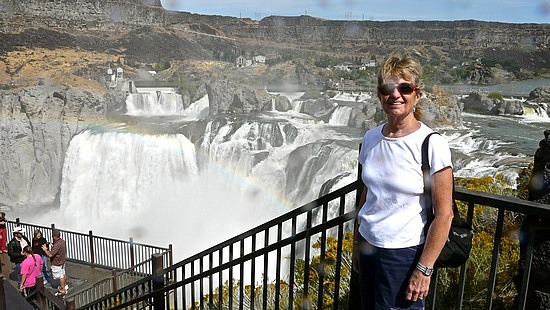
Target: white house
{"points": [[240, 61], [259, 59]]}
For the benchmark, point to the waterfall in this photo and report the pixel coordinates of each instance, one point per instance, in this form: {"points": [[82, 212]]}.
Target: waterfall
{"points": [[154, 103], [198, 109], [137, 169], [150, 187], [340, 116], [239, 172], [535, 111]]}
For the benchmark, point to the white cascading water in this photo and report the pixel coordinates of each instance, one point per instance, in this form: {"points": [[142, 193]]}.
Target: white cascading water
{"points": [[198, 109], [340, 116], [154, 103], [149, 187], [162, 189]]}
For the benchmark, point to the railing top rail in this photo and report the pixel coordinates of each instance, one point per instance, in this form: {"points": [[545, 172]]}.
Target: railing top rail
{"points": [[47, 229], [502, 202]]}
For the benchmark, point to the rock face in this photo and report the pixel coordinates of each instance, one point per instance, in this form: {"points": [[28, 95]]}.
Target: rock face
{"points": [[481, 103], [39, 123], [538, 296], [227, 97], [526, 44], [540, 94]]}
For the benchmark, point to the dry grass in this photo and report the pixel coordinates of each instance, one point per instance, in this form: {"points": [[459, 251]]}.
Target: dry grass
{"points": [[60, 66]]}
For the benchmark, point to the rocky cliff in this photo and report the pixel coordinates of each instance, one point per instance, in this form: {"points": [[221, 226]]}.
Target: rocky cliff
{"points": [[37, 126], [71, 43], [527, 45]]}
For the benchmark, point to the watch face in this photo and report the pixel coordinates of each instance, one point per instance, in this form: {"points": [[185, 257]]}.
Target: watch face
{"points": [[428, 271]]}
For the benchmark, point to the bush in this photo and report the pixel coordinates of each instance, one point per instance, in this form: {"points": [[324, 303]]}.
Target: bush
{"points": [[495, 95]]}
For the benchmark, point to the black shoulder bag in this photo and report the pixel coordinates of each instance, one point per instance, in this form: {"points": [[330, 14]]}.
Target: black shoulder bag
{"points": [[459, 243]]}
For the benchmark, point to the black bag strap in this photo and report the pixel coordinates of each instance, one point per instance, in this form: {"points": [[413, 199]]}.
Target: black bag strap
{"points": [[427, 183]]}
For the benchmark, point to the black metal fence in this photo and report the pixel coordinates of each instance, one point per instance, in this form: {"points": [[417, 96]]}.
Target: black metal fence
{"points": [[300, 261], [96, 251], [131, 263]]}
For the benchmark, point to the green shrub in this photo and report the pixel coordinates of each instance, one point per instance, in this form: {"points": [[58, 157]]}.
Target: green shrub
{"points": [[495, 95]]}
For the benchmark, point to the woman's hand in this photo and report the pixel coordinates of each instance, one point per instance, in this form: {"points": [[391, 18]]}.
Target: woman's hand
{"points": [[419, 286]]}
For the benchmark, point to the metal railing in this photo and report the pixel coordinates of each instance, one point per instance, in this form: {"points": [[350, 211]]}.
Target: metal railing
{"points": [[96, 251], [132, 262], [298, 261]]}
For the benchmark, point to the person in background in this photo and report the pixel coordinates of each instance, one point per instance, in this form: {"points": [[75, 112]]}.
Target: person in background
{"points": [[37, 241], [3, 233], [58, 257], [31, 268], [15, 248], [393, 255]]}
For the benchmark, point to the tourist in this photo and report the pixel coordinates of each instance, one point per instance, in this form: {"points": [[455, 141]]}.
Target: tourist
{"points": [[58, 256], [31, 268], [15, 247], [3, 233], [393, 255], [37, 241]]}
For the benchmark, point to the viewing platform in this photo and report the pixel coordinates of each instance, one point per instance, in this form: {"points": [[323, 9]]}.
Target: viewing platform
{"points": [[80, 278], [92, 269], [300, 260]]}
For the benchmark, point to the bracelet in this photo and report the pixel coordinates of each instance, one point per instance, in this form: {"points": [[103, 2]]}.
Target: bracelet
{"points": [[427, 271]]}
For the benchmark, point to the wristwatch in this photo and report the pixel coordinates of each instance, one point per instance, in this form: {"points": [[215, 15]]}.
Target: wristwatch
{"points": [[427, 271]]}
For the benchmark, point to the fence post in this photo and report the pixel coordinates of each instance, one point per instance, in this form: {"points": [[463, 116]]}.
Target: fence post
{"points": [[170, 255], [115, 280], [17, 222], [158, 281], [132, 258], [70, 304], [39, 300], [92, 253], [2, 293], [173, 272]]}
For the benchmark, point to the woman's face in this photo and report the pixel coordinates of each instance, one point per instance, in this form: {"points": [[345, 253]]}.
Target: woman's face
{"points": [[398, 97], [38, 236]]}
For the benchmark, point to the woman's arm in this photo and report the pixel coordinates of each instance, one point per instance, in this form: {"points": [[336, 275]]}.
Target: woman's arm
{"points": [[442, 201], [23, 278]]}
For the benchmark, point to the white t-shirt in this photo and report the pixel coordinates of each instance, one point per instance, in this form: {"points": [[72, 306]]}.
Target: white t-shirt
{"points": [[393, 215]]}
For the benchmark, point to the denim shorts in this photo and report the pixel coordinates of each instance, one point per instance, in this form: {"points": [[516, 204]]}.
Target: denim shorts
{"points": [[385, 274]]}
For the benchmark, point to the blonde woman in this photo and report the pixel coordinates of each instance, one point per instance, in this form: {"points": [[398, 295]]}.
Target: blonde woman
{"points": [[393, 255]]}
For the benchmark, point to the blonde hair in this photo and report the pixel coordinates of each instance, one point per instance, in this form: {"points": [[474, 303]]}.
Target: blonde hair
{"points": [[406, 68]]}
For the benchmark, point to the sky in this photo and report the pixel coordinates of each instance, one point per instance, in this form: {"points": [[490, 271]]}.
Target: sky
{"points": [[508, 11]]}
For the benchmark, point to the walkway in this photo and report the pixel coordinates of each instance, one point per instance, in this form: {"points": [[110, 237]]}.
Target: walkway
{"points": [[80, 277]]}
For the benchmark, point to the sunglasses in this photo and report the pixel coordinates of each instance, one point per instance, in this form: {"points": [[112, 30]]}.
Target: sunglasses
{"points": [[403, 88]]}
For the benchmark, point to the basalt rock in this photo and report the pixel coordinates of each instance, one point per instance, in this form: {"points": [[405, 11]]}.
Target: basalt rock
{"points": [[39, 122], [226, 96], [540, 94], [479, 103]]}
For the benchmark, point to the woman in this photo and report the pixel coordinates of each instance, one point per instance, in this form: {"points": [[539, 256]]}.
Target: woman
{"points": [[31, 267], [37, 241], [394, 257]]}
